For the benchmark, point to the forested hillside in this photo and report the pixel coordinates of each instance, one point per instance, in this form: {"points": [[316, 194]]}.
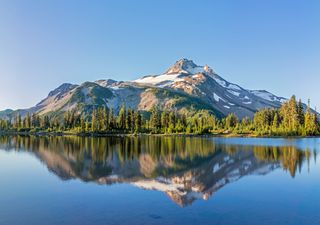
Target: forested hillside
{"points": [[290, 119]]}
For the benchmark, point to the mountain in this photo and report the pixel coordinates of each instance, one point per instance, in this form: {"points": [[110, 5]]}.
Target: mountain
{"points": [[184, 187], [5, 113], [204, 83], [185, 86]]}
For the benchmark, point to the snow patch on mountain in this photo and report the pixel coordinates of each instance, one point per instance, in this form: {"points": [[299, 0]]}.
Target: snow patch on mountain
{"points": [[234, 87], [154, 80], [234, 92], [87, 98], [106, 83], [160, 185], [267, 95], [220, 81], [217, 97], [195, 70], [195, 83]]}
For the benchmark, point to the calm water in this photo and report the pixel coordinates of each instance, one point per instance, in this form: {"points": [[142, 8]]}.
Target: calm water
{"points": [[159, 180]]}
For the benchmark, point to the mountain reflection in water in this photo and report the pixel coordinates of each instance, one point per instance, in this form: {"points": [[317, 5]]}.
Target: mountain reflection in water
{"points": [[185, 168]]}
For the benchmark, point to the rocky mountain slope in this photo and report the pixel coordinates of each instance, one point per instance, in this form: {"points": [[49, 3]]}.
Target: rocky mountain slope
{"points": [[185, 86]]}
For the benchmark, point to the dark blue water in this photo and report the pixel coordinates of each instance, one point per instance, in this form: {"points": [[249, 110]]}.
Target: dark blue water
{"points": [[157, 180]]}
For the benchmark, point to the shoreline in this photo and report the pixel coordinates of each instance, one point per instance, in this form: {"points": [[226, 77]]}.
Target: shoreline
{"points": [[228, 135]]}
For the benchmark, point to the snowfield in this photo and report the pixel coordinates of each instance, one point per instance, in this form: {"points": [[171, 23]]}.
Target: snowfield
{"points": [[154, 80]]}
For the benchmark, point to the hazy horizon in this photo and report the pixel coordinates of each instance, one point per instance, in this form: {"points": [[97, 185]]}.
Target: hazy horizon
{"points": [[258, 45]]}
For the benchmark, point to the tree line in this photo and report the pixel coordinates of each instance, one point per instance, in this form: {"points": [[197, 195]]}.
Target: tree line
{"points": [[177, 151], [291, 119]]}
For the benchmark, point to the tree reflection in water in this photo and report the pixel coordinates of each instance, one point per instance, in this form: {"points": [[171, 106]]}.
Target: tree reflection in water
{"points": [[186, 168]]}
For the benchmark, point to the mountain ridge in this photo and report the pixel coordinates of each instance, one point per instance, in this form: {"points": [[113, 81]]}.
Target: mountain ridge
{"points": [[182, 87]]}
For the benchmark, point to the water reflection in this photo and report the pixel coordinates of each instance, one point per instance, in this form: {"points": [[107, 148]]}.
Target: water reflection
{"points": [[185, 168]]}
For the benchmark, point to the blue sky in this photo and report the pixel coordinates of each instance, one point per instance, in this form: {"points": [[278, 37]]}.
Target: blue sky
{"points": [[272, 45]]}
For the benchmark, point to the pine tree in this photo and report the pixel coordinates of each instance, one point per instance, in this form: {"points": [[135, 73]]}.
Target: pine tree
{"points": [[309, 124], [112, 120], [189, 129], [28, 121], [290, 116], [87, 125], [82, 125], [129, 120], [18, 121], [94, 120], [179, 126], [245, 122], [294, 121], [300, 112], [172, 122], [138, 122], [35, 121], [275, 122], [105, 119], [155, 120], [122, 118], [164, 121], [316, 121], [231, 121]]}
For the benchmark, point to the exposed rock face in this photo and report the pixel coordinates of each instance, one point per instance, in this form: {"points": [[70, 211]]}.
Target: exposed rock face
{"points": [[183, 66], [182, 86], [106, 83], [62, 89], [204, 83]]}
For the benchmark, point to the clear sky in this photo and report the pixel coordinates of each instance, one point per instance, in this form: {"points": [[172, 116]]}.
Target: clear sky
{"points": [[272, 45]]}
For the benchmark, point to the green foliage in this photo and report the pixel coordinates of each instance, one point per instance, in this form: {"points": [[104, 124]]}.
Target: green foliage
{"points": [[290, 119], [231, 121], [155, 120]]}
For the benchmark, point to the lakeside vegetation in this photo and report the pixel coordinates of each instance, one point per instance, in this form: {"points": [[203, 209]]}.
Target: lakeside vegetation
{"points": [[290, 120], [165, 156]]}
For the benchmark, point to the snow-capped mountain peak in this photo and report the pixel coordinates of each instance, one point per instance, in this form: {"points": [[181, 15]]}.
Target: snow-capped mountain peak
{"points": [[203, 82], [176, 73], [183, 86], [184, 66], [208, 70]]}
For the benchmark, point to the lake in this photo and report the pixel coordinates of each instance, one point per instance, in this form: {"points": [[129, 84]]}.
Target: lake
{"points": [[159, 180]]}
